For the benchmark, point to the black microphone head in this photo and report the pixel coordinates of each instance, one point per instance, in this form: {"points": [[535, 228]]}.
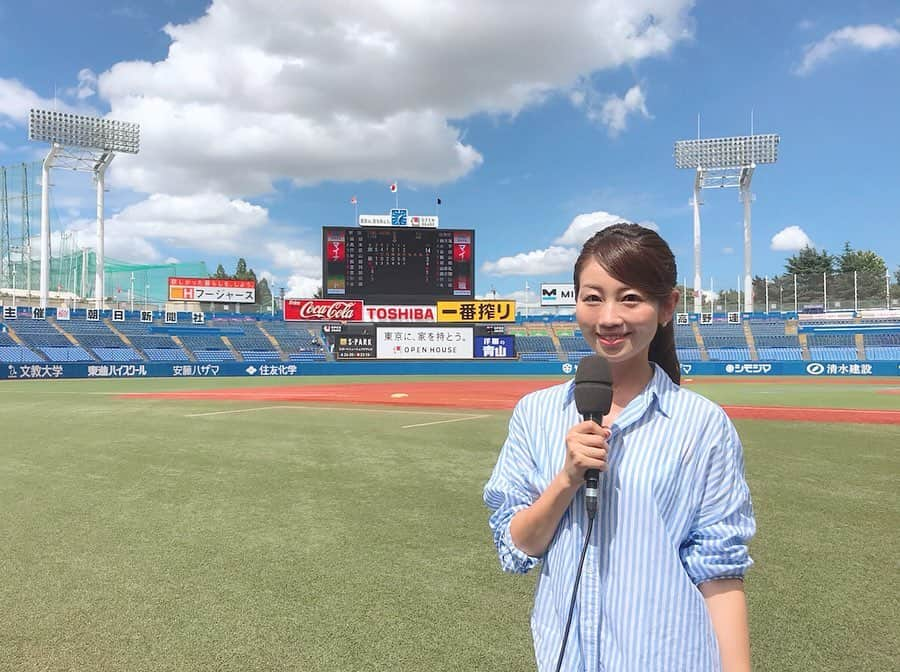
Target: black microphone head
{"points": [[593, 386]]}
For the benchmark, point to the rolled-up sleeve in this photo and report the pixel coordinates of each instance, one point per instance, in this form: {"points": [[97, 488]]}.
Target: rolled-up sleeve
{"points": [[716, 547], [510, 489]]}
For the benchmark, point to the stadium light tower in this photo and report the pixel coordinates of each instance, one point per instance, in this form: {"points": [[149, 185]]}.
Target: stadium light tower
{"points": [[720, 163], [79, 143]]}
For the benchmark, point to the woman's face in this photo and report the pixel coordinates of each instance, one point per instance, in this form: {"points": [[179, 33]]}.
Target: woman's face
{"points": [[617, 321]]}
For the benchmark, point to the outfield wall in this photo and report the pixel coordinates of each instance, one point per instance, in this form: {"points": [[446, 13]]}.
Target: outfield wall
{"points": [[386, 368]]}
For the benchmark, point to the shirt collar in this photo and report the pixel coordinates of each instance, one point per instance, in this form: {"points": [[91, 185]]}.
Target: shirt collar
{"points": [[659, 390]]}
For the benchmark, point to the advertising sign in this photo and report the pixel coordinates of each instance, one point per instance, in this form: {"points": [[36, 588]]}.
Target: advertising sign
{"points": [[354, 346], [399, 313], [425, 343], [557, 294], [495, 347], [415, 221], [476, 311], [330, 310], [212, 290]]}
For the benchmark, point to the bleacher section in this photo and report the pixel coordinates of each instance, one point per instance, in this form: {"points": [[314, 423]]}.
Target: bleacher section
{"points": [[832, 347], [296, 341], [725, 342], [228, 339], [12, 352], [155, 347]]}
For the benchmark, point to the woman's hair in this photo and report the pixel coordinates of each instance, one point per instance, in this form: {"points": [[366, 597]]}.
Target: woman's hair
{"points": [[639, 258]]}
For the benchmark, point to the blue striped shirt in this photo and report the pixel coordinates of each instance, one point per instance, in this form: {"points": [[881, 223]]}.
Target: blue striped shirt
{"points": [[674, 511]]}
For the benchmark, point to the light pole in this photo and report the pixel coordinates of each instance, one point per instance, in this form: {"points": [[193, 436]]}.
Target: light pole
{"points": [[720, 163], [79, 143]]}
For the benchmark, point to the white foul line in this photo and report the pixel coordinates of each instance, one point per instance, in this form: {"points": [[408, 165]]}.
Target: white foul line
{"points": [[458, 418], [235, 410], [441, 422]]}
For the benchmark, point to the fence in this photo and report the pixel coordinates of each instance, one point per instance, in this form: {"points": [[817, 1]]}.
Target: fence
{"points": [[805, 293]]}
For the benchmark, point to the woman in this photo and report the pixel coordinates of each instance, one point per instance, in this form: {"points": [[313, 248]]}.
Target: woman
{"points": [[662, 585]]}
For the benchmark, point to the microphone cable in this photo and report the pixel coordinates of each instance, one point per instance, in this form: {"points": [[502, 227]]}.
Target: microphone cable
{"points": [[565, 637]]}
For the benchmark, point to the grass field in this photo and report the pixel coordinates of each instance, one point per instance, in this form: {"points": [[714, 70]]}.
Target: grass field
{"points": [[180, 535]]}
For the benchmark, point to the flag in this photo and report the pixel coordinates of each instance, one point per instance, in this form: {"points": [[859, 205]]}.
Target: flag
{"points": [[353, 200], [393, 187], [438, 201]]}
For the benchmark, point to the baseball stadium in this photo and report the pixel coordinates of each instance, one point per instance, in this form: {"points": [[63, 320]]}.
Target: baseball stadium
{"points": [[195, 481]]}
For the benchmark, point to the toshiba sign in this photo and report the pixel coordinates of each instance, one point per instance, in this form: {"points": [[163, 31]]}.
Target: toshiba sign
{"points": [[399, 313], [322, 309]]}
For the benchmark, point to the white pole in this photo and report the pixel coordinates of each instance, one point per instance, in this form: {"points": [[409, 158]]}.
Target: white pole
{"points": [[712, 299], [525, 302], [99, 172], [767, 295], [45, 224], [795, 294], [698, 296], [84, 272], [739, 293], [887, 288], [132, 291], [746, 196], [14, 287], [684, 298], [75, 288], [855, 294], [825, 290]]}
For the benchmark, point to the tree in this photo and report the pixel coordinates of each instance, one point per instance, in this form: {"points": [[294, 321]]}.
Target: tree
{"points": [[220, 273], [809, 261], [861, 261], [241, 272], [263, 296], [861, 283]]}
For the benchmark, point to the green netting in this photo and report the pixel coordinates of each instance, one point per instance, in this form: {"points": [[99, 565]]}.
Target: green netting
{"points": [[73, 276], [72, 270]]}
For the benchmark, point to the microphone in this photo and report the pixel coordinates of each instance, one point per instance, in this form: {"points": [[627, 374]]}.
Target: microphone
{"points": [[593, 399]]}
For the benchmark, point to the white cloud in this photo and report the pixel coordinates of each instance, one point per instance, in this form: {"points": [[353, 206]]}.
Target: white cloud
{"points": [[559, 257], [209, 222], [87, 85], [296, 259], [255, 91], [554, 259], [16, 100], [791, 239], [610, 110], [586, 225], [871, 37], [615, 111], [727, 250], [302, 287]]}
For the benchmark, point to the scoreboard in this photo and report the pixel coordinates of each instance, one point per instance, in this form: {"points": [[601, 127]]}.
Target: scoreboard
{"points": [[398, 264]]}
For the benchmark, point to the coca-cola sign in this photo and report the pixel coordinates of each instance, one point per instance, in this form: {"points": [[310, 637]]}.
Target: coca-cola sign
{"points": [[307, 310]]}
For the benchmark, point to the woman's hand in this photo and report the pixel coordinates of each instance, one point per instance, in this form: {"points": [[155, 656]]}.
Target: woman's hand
{"points": [[586, 448]]}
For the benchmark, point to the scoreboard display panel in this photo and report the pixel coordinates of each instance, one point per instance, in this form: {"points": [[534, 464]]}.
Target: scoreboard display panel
{"points": [[398, 264]]}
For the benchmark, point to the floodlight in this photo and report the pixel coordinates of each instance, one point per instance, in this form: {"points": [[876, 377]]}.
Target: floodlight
{"points": [[80, 143], [75, 130], [719, 163], [734, 152]]}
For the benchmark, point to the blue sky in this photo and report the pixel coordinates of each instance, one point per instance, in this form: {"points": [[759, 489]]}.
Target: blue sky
{"points": [[535, 126]]}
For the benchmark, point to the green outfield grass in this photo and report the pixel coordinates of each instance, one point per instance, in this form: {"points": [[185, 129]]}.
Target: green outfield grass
{"points": [[152, 535]]}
